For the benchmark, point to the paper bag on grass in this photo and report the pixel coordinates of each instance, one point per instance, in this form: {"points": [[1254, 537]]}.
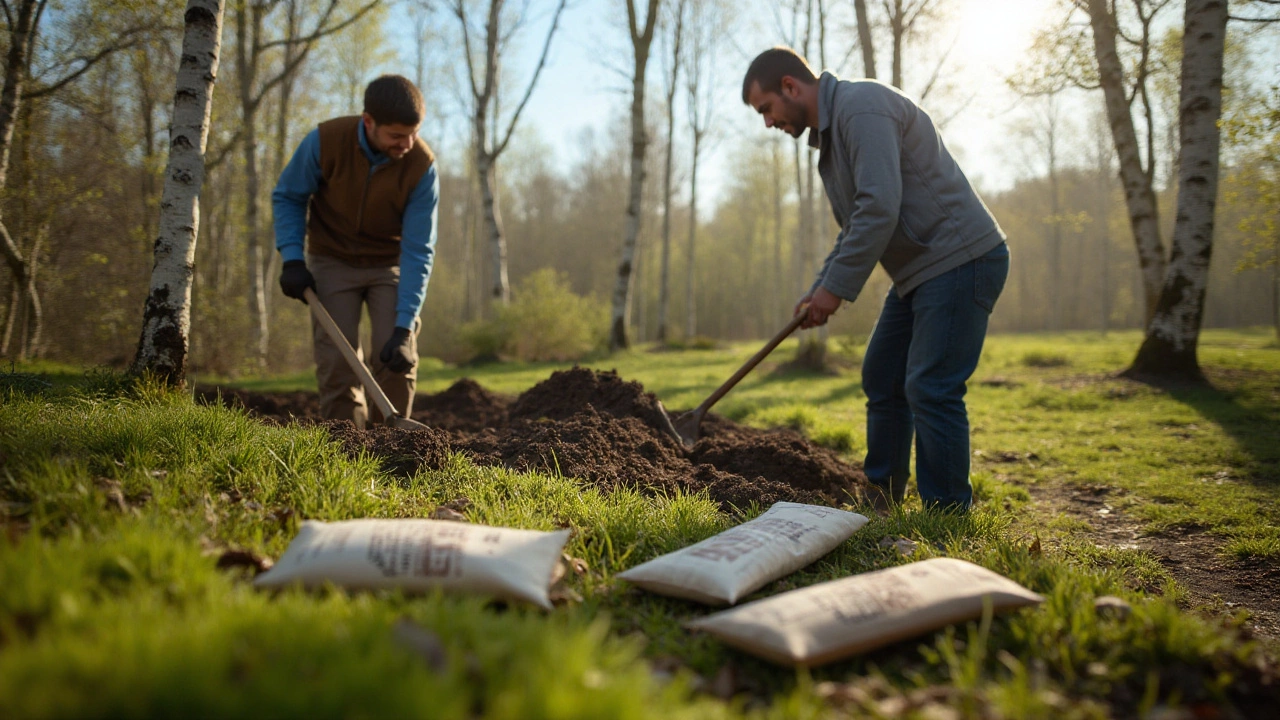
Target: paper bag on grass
{"points": [[837, 619], [740, 560], [420, 555]]}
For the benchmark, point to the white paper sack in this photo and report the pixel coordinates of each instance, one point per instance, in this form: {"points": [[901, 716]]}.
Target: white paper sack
{"points": [[420, 555], [742, 559], [837, 619]]}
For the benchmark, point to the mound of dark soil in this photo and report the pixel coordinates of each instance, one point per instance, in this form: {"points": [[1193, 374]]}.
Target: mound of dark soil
{"points": [[464, 406], [593, 426], [569, 392]]}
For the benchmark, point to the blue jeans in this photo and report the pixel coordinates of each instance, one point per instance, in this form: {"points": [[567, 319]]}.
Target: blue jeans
{"points": [[924, 348]]}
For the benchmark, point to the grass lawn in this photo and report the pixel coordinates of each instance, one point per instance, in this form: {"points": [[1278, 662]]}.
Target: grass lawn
{"points": [[117, 500]]}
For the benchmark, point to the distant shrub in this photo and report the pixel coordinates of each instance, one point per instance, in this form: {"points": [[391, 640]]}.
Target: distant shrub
{"points": [[544, 321]]}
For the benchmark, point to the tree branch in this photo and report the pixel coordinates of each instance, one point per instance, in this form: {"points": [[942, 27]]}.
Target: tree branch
{"points": [[542, 61], [323, 31], [461, 14], [130, 40]]}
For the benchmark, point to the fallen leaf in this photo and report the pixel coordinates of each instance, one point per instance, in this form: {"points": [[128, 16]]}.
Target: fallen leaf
{"points": [[444, 513], [1110, 605], [243, 559], [578, 565], [905, 547], [1035, 549], [421, 642]]}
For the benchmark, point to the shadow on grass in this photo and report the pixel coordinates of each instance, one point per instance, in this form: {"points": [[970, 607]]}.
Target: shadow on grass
{"points": [[1246, 405]]}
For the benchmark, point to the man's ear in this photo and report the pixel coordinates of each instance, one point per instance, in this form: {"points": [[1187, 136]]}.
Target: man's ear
{"points": [[789, 87], [369, 124]]}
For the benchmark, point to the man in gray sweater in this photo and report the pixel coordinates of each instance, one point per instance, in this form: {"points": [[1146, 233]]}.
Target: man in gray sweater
{"points": [[902, 201]]}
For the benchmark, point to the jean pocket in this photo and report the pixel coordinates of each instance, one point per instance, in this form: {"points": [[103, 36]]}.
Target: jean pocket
{"points": [[990, 272]]}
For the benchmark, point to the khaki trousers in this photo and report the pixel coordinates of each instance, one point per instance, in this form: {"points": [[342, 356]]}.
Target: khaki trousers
{"points": [[344, 290]]}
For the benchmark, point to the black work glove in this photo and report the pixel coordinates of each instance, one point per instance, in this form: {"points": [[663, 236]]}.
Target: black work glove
{"points": [[294, 278], [397, 354]]}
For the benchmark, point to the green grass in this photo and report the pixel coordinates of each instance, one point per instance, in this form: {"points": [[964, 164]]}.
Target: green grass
{"points": [[111, 611]]}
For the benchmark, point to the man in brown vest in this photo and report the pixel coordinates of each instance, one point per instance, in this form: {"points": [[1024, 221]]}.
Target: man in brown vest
{"points": [[371, 190]]}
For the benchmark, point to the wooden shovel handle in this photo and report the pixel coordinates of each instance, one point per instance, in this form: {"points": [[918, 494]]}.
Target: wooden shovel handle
{"points": [[335, 333], [754, 361]]}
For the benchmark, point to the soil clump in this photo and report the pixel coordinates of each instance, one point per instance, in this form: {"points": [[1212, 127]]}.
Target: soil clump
{"points": [[594, 426]]}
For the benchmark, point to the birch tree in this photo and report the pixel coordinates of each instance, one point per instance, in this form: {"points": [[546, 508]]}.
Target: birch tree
{"points": [[700, 103], [1139, 194], [641, 41], [488, 140], [675, 37], [166, 323], [1169, 349]]}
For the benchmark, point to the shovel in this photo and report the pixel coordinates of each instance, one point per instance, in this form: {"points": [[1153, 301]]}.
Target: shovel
{"points": [[393, 418], [686, 426]]}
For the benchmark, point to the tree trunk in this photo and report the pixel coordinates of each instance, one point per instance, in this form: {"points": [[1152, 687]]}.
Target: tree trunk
{"points": [[1055, 231], [664, 287], [641, 39], [21, 32], [11, 317], [166, 328], [1140, 198], [487, 170], [897, 26], [1169, 350], [1275, 286], [775, 295], [691, 251], [864, 39]]}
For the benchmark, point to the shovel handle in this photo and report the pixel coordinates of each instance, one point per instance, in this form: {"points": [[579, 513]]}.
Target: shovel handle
{"points": [[752, 363], [335, 333]]}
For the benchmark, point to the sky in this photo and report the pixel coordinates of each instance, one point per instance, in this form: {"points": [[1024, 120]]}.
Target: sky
{"points": [[585, 86]]}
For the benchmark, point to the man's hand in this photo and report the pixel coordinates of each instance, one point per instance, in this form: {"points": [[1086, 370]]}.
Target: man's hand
{"points": [[822, 305], [800, 305], [397, 354], [294, 278]]}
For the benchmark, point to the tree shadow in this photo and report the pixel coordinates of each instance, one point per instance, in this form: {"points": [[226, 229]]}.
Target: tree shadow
{"points": [[1245, 404]]}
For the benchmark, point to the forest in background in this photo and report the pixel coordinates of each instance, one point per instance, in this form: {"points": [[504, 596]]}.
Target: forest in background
{"points": [[88, 151]]}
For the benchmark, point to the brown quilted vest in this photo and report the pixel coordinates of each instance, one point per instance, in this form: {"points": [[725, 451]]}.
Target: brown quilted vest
{"points": [[357, 216]]}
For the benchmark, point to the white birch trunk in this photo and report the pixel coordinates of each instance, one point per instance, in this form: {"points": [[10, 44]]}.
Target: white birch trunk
{"points": [[166, 328], [641, 39], [1140, 198], [1169, 349], [691, 252], [499, 285], [664, 285]]}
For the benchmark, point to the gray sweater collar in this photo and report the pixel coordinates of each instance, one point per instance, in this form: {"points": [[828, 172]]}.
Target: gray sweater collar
{"points": [[826, 97]]}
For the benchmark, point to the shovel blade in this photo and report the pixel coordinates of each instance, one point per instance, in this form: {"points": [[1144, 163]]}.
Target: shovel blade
{"points": [[404, 423], [687, 428]]}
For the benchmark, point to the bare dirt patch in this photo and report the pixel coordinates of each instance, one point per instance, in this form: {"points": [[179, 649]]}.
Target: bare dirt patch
{"points": [[591, 425], [1215, 584]]}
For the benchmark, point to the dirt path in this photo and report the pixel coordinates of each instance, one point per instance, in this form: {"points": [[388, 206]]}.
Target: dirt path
{"points": [[1215, 584]]}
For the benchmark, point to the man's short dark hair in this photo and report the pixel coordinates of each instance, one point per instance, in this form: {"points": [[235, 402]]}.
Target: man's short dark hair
{"points": [[771, 66], [393, 100]]}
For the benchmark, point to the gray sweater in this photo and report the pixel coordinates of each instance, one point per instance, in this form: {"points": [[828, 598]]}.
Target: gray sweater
{"points": [[898, 195]]}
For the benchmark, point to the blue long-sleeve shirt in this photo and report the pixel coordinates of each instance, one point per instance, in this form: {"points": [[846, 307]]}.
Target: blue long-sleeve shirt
{"points": [[301, 179]]}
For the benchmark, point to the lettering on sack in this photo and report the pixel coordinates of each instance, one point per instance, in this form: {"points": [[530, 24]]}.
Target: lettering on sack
{"points": [[873, 599], [399, 554], [745, 539]]}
